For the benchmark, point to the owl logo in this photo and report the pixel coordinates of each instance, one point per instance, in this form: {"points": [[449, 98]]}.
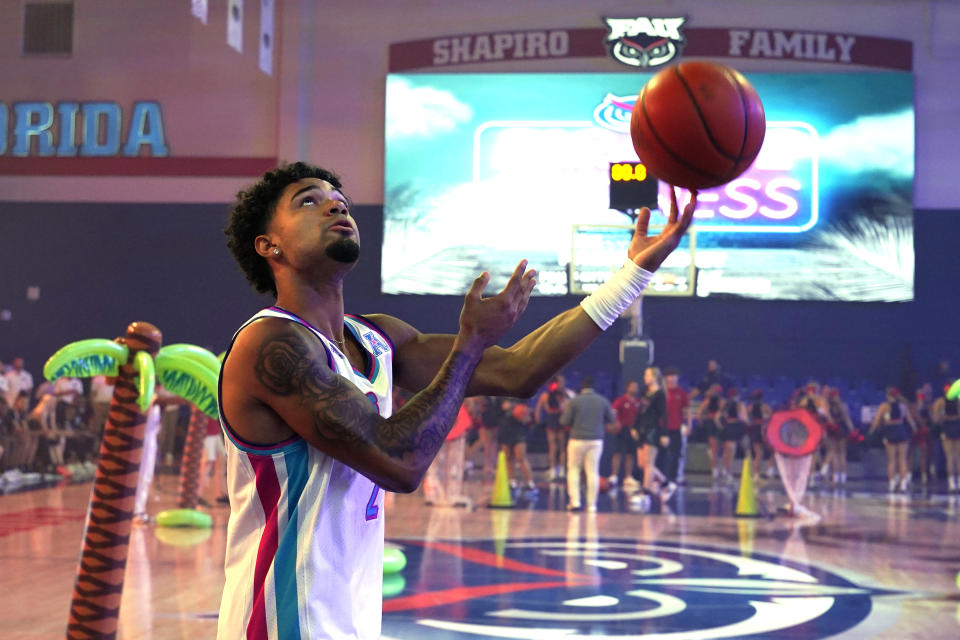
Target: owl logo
{"points": [[645, 42]]}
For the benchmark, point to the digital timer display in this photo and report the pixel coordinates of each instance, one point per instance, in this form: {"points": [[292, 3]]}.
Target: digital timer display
{"points": [[631, 187], [627, 171]]}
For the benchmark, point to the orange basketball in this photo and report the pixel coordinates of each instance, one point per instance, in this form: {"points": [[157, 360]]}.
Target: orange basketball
{"points": [[698, 125]]}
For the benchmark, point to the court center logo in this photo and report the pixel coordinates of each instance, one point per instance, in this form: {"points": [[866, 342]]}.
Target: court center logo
{"points": [[645, 42], [575, 589]]}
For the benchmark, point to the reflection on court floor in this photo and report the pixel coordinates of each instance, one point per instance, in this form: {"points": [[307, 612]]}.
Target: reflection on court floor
{"points": [[866, 565]]}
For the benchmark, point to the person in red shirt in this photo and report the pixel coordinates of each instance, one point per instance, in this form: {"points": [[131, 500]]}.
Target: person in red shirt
{"points": [[678, 410], [624, 447]]}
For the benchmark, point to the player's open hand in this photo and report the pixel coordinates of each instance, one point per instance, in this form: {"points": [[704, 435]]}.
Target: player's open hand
{"points": [[649, 253], [484, 320]]}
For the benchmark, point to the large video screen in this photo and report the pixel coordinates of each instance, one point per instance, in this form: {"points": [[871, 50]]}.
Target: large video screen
{"points": [[485, 169]]}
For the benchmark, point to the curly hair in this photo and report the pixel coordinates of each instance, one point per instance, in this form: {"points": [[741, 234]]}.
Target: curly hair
{"points": [[252, 212]]}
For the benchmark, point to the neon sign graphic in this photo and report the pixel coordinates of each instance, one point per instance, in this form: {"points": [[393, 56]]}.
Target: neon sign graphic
{"points": [[778, 194]]}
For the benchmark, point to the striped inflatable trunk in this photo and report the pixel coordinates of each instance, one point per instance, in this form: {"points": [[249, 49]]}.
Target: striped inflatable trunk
{"points": [[95, 607], [192, 459]]}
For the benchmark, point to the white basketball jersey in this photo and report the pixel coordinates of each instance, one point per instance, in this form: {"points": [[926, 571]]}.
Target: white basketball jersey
{"points": [[304, 555]]}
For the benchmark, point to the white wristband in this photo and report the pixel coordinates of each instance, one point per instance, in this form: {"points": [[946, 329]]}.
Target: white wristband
{"points": [[606, 304]]}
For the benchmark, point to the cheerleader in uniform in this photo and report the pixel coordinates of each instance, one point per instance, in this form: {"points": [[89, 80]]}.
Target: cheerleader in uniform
{"points": [[946, 414], [895, 424], [922, 439], [839, 428]]}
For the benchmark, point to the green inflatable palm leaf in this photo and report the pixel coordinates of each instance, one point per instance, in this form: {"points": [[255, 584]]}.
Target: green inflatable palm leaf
{"points": [[86, 359], [186, 374], [146, 379]]}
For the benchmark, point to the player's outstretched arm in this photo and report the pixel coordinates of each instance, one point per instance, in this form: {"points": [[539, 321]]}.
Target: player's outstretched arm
{"points": [[277, 378], [522, 368]]}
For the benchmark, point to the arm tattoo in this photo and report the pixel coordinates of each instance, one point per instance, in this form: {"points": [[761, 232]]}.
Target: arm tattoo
{"points": [[343, 414]]}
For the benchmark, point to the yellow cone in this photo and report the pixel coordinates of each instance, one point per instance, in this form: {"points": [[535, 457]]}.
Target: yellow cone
{"points": [[746, 531], [500, 521], [501, 485], [747, 499]]}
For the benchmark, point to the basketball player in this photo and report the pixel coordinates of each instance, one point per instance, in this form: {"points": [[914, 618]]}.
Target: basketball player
{"points": [[305, 402]]}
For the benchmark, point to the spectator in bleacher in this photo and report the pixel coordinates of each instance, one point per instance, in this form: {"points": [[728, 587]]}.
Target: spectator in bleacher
{"points": [[895, 424], [7, 437], [588, 415], [42, 420], [708, 423], [18, 379], [4, 385], [946, 414], [714, 375], [758, 415], [550, 406], [79, 441], [838, 430], [733, 427], [45, 388], [678, 423], [101, 391], [22, 443], [625, 408], [66, 390], [650, 430]]}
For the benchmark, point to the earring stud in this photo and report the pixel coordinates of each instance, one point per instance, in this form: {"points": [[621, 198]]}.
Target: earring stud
{"points": [[276, 252]]}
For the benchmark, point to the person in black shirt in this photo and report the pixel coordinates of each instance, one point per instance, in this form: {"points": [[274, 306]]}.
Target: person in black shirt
{"points": [[713, 376], [758, 415], [650, 428], [733, 426], [512, 436], [708, 423]]}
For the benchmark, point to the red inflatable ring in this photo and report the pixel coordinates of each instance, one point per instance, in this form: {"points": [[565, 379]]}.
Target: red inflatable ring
{"points": [[780, 419]]}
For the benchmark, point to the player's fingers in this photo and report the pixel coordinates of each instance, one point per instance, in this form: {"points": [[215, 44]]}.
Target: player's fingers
{"points": [[643, 222], [688, 212], [673, 205], [529, 280], [529, 285], [476, 289], [515, 278]]}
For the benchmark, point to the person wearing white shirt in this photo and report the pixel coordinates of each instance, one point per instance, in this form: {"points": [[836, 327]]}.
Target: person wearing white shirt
{"points": [[101, 391], [18, 379], [67, 389]]}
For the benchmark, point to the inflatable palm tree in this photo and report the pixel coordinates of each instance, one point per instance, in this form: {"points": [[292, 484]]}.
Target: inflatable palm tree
{"points": [[137, 362]]}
